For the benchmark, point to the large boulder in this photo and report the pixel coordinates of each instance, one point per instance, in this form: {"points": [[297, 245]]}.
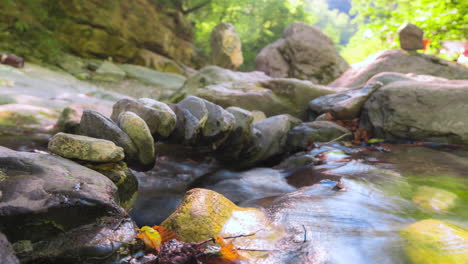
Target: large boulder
{"points": [[433, 241], [304, 53], [108, 72], [226, 47], [56, 211], [402, 62], [253, 91], [418, 108]]}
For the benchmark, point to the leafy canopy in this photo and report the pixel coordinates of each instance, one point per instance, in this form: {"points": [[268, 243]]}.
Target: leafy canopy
{"points": [[379, 21]]}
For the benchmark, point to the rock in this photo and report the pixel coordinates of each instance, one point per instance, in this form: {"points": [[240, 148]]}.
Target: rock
{"points": [[93, 124], [196, 107], [270, 139], [203, 214], [218, 125], [85, 148], [122, 36], [108, 72], [6, 251], [434, 241], [240, 138], [253, 91], [76, 66], [400, 109], [60, 200], [304, 53], [411, 37], [344, 105], [12, 60], [123, 178], [297, 160], [301, 136], [159, 120], [226, 47], [159, 80], [258, 116], [159, 63], [137, 129], [26, 117], [70, 118], [167, 117], [401, 62], [434, 199]]}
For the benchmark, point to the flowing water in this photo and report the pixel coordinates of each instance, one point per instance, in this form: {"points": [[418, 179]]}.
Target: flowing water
{"points": [[385, 190]]}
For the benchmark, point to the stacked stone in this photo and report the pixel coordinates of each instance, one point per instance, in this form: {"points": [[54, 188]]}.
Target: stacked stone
{"points": [[129, 134]]}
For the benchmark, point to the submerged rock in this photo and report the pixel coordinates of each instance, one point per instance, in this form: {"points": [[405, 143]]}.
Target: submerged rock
{"points": [[433, 241], [85, 148], [226, 47], [434, 199], [304, 53], [160, 80], [137, 129], [56, 211]]}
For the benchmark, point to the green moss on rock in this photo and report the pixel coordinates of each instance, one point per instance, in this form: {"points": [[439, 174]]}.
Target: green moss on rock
{"points": [[435, 242]]}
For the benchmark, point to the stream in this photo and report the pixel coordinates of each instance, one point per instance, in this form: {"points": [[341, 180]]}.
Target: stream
{"points": [[383, 190]]}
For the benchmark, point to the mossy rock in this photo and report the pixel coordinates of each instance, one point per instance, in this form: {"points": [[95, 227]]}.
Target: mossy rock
{"points": [[122, 177], [85, 148], [203, 214], [435, 242], [434, 199]]}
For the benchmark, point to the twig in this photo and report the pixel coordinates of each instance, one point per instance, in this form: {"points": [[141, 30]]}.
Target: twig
{"points": [[334, 140]]}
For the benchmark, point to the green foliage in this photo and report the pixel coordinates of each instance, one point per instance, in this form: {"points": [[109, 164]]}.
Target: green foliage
{"points": [[24, 32], [379, 21], [261, 22]]}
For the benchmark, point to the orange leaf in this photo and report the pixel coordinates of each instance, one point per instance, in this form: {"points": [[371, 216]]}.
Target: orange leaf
{"points": [[165, 234], [228, 251]]}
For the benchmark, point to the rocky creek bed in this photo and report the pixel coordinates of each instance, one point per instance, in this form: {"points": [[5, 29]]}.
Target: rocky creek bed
{"points": [[231, 153]]}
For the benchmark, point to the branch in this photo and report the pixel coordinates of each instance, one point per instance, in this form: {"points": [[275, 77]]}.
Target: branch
{"points": [[195, 8]]}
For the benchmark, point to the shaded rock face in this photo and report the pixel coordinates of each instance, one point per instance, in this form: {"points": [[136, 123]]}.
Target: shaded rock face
{"points": [[46, 200], [418, 108], [252, 91], [344, 105], [226, 47], [304, 53], [6, 251], [411, 37], [117, 29], [401, 62], [305, 134]]}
